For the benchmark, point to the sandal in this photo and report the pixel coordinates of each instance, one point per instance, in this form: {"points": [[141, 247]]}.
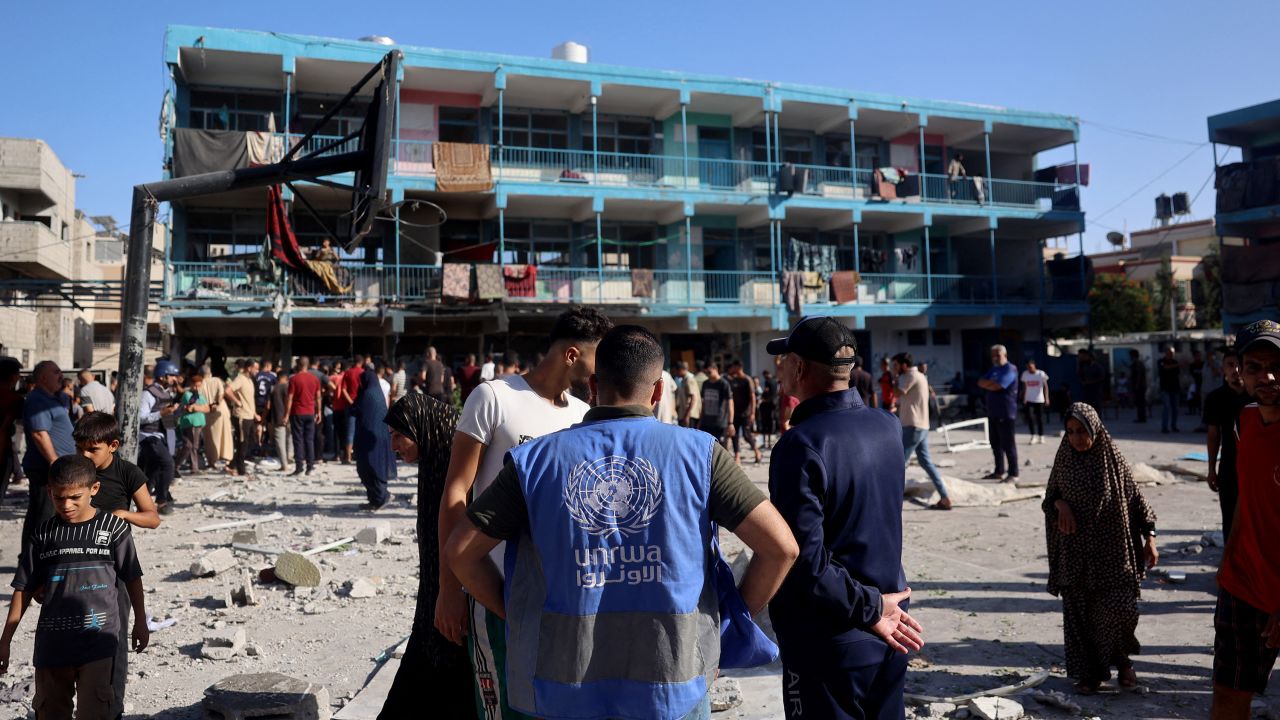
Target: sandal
{"points": [[1090, 688], [941, 505], [1127, 677]]}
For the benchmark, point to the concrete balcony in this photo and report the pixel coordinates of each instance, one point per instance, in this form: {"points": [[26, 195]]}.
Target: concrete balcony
{"points": [[30, 166], [32, 249]]}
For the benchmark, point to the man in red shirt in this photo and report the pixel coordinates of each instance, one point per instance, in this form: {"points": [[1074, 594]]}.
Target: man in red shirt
{"points": [[348, 387], [303, 413], [1247, 620], [468, 377]]}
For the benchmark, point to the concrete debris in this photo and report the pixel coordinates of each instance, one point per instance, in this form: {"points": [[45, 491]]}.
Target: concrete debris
{"points": [[726, 694], [265, 695], [18, 692], [219, 560], [1213, 539], [296, 569], [1056, 699], [243, 594], [361, 588], [223, 644], [253, 649], [240, 523], [995, 708], [1144, 474], [245, 537], [941, 709], [964, 493], [1192, 549], [374, 534]]}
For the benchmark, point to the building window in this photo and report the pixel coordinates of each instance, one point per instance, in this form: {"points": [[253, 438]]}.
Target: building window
{"points": [[797, 147], [941, 337], [621, 135], [230, 110], [310, 109], [537, 243], [459, 124], [625, 247], [532, 129], [916, 338]]}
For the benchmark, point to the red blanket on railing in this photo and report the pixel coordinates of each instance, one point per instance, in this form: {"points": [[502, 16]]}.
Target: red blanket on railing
{"points": [[284, 244], [520, 280]]}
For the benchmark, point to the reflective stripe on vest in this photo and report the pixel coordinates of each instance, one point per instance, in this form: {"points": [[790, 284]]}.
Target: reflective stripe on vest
{"points": [[612, 609]]}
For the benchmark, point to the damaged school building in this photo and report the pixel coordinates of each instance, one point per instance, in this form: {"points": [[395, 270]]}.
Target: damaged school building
{"points": [[713, 210]]}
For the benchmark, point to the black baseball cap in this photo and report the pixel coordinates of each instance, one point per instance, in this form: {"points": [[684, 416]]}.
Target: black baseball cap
{"points": [[816, 339], [1260, 332]]}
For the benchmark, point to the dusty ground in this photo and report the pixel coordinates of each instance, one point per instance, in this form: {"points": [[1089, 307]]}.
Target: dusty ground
{"points": [[977, 574]]}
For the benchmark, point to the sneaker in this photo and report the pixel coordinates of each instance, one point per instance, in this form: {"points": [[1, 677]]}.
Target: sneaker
{"points": [[1031, 440], [165, 509], [310, 470], [296, 473], [1011, 478], [992, 476]]}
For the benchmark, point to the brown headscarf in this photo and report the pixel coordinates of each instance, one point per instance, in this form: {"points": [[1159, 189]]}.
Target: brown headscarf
{"points": [[1111, 514]]}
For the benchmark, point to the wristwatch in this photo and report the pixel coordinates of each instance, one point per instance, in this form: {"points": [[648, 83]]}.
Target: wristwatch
{"points": [[1151, 532]]}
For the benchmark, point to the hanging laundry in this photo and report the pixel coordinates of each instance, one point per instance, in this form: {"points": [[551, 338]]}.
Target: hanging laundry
{"points": [[457, 281], [197, 151], [462, 167], [521, 280], [284, 244], [489, 283], [641, 283], [791, 289], [815, 258], [844, 284], [979, 189]]}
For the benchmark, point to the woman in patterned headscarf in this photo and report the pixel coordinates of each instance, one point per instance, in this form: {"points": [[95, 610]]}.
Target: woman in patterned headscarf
{"points": [[1101, 537], [433, 667]]}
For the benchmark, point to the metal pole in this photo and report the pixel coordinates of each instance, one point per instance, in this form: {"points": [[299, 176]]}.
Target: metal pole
{"points": [[995, 290], [688, 258], [599, 261], [502, 236], [595, 143], [986, 146], [398, 253], [857, 254], [928, 266], [1083, 294], [684, 147], [133, 339], [396, 164], [288, 90], [923, 192], [502, 137], [853, 156], [768, 148]]}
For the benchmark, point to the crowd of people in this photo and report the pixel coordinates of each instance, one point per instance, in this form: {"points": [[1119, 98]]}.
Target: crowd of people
{"points": [[579, 497]]}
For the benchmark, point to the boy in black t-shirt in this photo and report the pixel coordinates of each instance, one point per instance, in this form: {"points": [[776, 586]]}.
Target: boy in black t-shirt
{"points": [[124, 485], [73, 562]]}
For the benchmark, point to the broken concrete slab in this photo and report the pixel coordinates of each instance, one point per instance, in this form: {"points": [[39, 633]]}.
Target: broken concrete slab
{"points": [[726, 694], [219, 560], [223, 644], [374, 534], [995, 708], [271, 694], [1146, 474], [361, 588], [240, 523], [243, 594], [297, 569]]}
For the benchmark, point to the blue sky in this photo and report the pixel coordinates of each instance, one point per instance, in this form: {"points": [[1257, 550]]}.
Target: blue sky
{"points": [[87, 77]]}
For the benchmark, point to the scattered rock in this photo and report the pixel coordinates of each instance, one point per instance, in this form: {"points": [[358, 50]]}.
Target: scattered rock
{"points": [[726, 694], [995, 708], [1145, 474], [1213, 539], [375, 533], [266, 695], [244, 595], [1056, 699], [361, 588], [223, 644], [1192, 549], [941, 709], [253, 649], [245, 537], [219, 560], [297, 569]]}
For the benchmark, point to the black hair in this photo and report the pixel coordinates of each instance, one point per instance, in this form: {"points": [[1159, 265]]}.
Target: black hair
{"points": [[96, 427], [581, 324], [904, 358], [73, 471], [9, 367], [734, 363], [627, 358]]}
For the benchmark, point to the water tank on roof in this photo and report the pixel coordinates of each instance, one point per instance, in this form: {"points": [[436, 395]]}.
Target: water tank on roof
{"points": [[1164, 207], [379, 39], [1181, 204], [571, 51]]}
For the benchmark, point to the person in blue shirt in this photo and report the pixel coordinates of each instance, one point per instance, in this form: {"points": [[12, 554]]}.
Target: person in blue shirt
{"points": [[48, 428], [837, 478], [1001, 384]]}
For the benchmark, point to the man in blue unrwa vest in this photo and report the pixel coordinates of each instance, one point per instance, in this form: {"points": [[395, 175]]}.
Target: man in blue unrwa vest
{"points": [[610, 595], [837, 477]]}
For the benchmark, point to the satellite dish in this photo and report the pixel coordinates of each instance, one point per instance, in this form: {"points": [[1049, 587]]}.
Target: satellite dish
{"points": [[1116, 238]]}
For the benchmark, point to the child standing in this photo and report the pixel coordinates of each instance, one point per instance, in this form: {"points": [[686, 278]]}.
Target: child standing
{"points": [[74, 560], [194, 405]]}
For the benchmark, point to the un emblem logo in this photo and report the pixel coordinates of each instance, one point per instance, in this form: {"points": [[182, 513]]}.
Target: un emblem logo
{"points": [[613, 493]]}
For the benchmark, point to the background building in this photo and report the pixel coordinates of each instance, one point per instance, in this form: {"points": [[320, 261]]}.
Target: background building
{"points": [[678, 201], [1249, 208], [60, 271]]}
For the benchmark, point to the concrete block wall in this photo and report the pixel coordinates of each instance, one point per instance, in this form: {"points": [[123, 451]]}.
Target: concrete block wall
{"points": [[18, 334]]}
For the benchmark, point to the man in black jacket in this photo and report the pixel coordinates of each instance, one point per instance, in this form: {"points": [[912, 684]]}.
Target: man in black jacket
{"points": [[837, 477]]}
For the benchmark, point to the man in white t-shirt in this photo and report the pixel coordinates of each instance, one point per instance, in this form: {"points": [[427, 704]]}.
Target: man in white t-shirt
{"points": [[489, 370], [1035, 394], [912, 394], [499, 415]]}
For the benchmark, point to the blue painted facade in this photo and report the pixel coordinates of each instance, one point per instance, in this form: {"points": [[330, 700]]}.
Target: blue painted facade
{"points": [[1248, 205], [602, 170]]}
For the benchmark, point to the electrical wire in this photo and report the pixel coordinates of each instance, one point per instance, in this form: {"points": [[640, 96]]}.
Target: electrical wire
{"points": [[1149, 183], [1142, 134]]}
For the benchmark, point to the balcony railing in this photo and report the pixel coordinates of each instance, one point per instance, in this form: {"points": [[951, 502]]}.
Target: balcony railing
{"points": [[230, 283], [565, 166]]}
